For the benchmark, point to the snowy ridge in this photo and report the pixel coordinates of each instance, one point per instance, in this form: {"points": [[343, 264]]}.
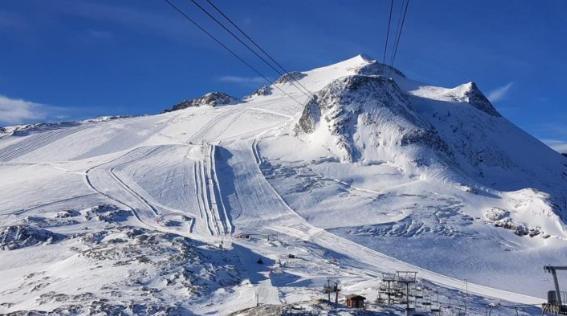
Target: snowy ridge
{"points": [[170, 214]]}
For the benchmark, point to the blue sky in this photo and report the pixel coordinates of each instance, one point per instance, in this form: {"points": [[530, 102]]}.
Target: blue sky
{"points": [[70, 59]]}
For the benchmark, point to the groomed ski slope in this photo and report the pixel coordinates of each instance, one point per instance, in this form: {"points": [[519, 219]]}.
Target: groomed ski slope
{"points": [[212, 173]]}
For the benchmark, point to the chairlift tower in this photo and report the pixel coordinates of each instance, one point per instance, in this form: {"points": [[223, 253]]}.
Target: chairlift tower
{"points": [[555, 299], [407, 278], [389, 278]]}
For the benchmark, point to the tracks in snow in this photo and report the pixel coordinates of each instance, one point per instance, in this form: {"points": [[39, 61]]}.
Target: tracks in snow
{"points": [[104, 179], [36, 141], [207, 190]]}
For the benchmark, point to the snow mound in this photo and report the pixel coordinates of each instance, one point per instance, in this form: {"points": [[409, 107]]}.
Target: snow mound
{"points": [[211, 99], [368, 118]]}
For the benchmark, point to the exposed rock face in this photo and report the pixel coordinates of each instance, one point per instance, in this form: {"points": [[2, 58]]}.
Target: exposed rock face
{"points": [[264, 90], [479, 101], [20, 236], [290, 76], [363, 113], [209, 99], [470, 93]]}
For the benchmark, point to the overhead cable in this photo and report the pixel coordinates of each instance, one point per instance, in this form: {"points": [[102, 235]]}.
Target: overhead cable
{"points": [[387, 32], [228, 49], [244, 44], [399, 35], [256, 44]]}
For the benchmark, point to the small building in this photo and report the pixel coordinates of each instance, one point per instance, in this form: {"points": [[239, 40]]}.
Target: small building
{"points": [[355, 301]]}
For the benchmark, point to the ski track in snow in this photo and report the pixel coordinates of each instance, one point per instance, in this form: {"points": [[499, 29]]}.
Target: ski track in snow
{"points": [[144, 208], [36, 141]]}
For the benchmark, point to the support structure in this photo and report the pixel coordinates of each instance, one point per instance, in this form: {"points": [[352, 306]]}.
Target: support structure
{"points": [[389, 278], [407, 278], [554, 300]]}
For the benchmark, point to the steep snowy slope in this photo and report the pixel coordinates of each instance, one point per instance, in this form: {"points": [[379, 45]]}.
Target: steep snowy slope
{"points": [[374, 173]]}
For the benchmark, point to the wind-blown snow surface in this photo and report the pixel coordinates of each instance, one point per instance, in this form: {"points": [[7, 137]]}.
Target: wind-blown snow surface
{"points": [[371, 174]]}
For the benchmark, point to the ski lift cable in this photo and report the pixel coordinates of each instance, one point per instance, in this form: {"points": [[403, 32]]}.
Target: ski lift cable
{"points": [[256, 44], [228, 49], [399, 36], [243, 43], [397, 31], [387, 32]]}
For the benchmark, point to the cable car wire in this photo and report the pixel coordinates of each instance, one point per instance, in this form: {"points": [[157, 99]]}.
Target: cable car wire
{"points": [[387, 32], [256, 44], [228, 49], [243, 43], [399, 35]]}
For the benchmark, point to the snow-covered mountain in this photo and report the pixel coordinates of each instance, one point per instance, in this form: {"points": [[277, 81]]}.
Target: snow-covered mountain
{"points": [[371, 173]]}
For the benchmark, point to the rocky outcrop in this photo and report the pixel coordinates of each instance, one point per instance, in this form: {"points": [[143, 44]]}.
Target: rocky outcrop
{"points": [[20, 236], [262, 91], [470, 93], [290, 77], [479, 101], [210, 99]]}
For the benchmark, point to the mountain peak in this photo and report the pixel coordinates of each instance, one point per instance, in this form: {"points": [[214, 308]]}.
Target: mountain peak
{"points": [[365, 58], [469, 92]]}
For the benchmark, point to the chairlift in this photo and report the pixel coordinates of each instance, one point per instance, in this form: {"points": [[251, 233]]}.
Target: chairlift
{"points": [[436, 308], [426, 299], [418, 292]]}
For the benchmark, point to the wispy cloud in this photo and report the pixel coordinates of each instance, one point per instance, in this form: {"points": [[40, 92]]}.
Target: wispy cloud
{"points": [[499, 93], [17, 111], [557, 145], [244, 81]]}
